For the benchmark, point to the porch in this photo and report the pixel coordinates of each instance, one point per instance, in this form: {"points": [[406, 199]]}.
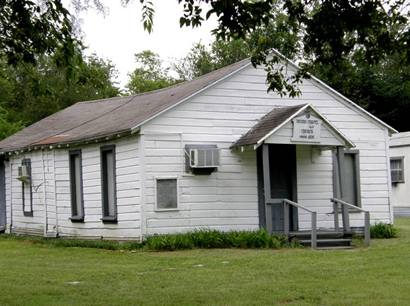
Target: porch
{"points": [[308, 178]]}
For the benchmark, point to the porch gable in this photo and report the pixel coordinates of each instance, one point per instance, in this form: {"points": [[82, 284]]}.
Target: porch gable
{"points": [[301, 124]]}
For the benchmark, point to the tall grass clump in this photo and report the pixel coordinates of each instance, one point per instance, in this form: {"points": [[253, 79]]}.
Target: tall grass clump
{"points": [[198, 239], [383, 231], [210, 239]]}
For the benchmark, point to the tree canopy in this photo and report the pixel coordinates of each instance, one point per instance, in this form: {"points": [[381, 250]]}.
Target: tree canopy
{"points": [[30, 92], [149, 74], [330, 30], [31, 28], [360, 47]]}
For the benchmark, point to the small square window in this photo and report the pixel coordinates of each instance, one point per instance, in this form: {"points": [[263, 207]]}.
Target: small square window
{"points": [[167, 193], [397, 169]]}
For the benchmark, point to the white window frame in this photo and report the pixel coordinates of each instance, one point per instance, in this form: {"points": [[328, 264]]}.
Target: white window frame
{"points": [[157, 178], [401, 158]]}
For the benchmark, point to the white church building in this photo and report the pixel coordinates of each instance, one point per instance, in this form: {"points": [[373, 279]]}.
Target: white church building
{"points": [[216, 152]]}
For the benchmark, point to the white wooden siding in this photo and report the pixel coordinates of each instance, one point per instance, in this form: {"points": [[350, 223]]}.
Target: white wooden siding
{"points": [[226, 199], [57, 182], [20, 223], [220, 115]]}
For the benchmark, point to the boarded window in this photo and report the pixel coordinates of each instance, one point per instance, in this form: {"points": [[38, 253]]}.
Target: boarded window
{"points": [[76, 186], [27, 190], [167, 193], [351, 188], [397, 169], [108, 184]]}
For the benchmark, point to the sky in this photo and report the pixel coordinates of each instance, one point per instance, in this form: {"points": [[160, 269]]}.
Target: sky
{"points": [[119, 34]]}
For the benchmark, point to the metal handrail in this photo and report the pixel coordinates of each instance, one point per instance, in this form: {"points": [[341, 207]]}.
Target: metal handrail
{"points": [[348, 204], [313, 215], [346, 226], [298, 205]]}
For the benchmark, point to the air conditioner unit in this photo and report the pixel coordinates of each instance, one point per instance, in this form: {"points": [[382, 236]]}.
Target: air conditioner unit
{"points": [[204, 158], [23, 174]]}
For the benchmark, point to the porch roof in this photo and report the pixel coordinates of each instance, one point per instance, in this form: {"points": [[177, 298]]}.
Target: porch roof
{"points": [[277, 118]]}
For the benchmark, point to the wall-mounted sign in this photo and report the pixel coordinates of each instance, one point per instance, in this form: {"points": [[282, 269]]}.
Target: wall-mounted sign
{"points": [[306, 128]]}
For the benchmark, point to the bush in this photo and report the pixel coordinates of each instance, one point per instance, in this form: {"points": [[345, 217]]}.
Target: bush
{"points": [[383, 231], [209, 239], [201, 239], [169, 242]]}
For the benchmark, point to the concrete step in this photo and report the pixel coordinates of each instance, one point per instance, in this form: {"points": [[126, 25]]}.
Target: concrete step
{"points": [[347, 247], [321, 234], [328, 242]]}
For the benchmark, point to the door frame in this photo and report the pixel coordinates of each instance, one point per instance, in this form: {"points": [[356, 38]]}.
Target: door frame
{"points": [[265, 201]]}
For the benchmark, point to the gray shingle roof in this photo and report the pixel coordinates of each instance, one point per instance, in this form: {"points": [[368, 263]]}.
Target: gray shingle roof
{"points": [[267, 123], [97, 119]]}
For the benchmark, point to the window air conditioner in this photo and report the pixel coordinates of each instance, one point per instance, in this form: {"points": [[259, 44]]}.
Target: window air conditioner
{"points": [[23, 174], [204, 158]]}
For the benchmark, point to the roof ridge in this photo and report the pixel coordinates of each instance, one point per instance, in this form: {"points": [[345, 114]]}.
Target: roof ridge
{"points": [[175, 85]]}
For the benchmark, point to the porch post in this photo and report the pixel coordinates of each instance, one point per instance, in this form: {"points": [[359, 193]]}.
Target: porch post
{"points": [[342, 183], [266, 186]]}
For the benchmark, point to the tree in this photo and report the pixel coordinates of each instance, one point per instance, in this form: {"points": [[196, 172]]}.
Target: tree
{"points": [[201, 60], [31, 28], [149, 74], [330, 29], [31, 92], [383, 88], [7, 125]]}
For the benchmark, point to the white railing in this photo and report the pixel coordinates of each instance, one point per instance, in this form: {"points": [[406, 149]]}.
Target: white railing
{"points": [[313, 215], [345, 217]]}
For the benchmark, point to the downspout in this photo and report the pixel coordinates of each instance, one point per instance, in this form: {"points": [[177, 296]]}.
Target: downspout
{"points": [[44, 196], [11, 197], [142, 184], [387, 146], [55, 191]]}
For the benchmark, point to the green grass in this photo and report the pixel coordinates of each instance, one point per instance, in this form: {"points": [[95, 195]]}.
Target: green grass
{"points": [[43, 274]]}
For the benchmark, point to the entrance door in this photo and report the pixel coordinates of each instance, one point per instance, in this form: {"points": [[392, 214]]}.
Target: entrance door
{"points": [[281, 166], [351, 182], [2, 196]]}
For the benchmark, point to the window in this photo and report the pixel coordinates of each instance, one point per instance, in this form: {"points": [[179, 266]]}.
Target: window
{"points": [[27, 190], [76, 186], [167, 193], [108, 185], [351, 187], [397, 169]]}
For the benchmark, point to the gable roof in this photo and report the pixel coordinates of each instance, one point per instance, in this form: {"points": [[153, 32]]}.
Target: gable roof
{"points": [[102, 119], [276, 119], [91, 120]]}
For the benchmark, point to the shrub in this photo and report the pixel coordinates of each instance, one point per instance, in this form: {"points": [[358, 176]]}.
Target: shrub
{"points": [[201, 239], [383, 231], [169, 242], [207, 239]]}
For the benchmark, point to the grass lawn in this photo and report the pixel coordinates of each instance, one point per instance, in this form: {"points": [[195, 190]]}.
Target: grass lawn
{"points": [[36, 274]]}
